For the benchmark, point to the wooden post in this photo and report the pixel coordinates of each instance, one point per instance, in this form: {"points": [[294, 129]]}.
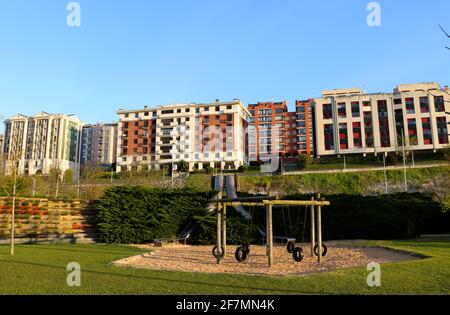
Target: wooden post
{"points": [[224, 229], [319, 232], [267, 230], [219, 233], [313, 229], [270, 234]]}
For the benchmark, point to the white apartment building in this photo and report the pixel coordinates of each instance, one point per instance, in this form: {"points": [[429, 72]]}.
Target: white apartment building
{"points": [[350, 121], [99, 145], [42, 142], [212, 134]]}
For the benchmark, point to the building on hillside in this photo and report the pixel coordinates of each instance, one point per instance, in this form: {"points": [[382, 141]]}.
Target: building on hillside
{"points": [[267, 130], [42, 142], [291, 135], [99, 145], [305, 127], [211, 134], [415, 116]]}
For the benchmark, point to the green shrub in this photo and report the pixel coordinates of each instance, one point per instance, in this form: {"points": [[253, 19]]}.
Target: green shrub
{"points": [[304, 161], [242, 168], [381, 217], [183, 166], [133, 214], [208, 169]]}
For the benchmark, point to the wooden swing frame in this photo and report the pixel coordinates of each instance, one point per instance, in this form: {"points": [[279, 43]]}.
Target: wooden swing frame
{"points": [[269, 203]]}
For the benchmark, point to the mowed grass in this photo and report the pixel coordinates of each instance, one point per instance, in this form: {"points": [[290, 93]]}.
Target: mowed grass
{"points": [[41, 269]]}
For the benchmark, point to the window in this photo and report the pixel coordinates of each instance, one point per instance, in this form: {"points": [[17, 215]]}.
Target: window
{"points": [[384, 123], [439, 104], [343, 136], [342, 111], [397, 101], [355, 109], [442, 130], [327, 112], [412, 132], [357, 138], [217, 108], [399, 125], [328, 137], [424, 105], [410, 105], [426, 127]]}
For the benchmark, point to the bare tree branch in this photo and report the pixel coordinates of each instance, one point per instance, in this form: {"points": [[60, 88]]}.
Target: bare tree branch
{"points": [[446, 34]]}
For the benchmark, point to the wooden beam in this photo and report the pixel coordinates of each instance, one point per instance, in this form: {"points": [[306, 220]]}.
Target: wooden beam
{"points": [[270, 235], [313, 229], [224, 229], [296, 203], [319, 232], [237, 204], [219, 233]]}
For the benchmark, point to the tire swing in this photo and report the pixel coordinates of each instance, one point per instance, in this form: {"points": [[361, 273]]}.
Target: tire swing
{"points": [[241, 254], [324, 250], [246, 247], [298, 254], [290, 247], [215, 254]]}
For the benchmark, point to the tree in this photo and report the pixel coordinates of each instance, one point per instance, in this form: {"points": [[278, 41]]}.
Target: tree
{"points": [[446, 34], [183, 166], [90, 172], [11, 187], [56, 175], [304, 160]]}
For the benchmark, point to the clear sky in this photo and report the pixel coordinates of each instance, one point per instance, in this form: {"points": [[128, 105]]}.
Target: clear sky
{"points": [[127, 54]]}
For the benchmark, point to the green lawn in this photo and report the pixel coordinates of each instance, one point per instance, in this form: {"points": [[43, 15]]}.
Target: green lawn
{"points": [[41, 269]]}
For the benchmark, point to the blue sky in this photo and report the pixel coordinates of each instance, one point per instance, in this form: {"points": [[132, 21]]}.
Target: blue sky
{"points": [[127, 54]]}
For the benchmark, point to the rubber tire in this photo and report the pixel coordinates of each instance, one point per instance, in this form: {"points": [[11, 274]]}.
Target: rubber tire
{"points": [[247, 248], [214, 252], [297, 254], [290, 247], [240, 254], [324, 250]]}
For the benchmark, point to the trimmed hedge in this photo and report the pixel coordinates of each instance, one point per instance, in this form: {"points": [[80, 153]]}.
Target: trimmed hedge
{"points": [[136, 215], [381, 217], [132, 215]]}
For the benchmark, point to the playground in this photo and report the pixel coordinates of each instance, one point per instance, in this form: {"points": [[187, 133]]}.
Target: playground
{"points": [[199, 259]]}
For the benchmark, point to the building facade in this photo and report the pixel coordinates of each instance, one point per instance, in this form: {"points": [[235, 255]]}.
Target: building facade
{"points": [[99, 145], [42, 142], [267, 130], [305, 127], [414, 116], [212, 134]]}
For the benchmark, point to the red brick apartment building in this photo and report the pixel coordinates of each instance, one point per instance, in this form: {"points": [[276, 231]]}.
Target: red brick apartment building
{"points": [[305, 126], [272, 130]]}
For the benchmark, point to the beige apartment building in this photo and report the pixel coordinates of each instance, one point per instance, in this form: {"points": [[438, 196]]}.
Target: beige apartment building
{"points": [[414, 116], [42, 142], [99, 145], [211, 134]]}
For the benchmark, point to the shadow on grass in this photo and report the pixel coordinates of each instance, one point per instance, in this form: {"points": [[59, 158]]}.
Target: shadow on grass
{"points": [[95, 250], [177, 281]]}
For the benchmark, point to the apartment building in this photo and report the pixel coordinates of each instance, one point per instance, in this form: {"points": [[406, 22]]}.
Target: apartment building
{"points": [[414, 116], [42, 142], [305, 126], [210, 134], [99, 145], [267, 130]]}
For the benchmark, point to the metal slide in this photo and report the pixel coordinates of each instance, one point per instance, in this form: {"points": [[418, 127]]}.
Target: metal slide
{"points": [[230, 186]]}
